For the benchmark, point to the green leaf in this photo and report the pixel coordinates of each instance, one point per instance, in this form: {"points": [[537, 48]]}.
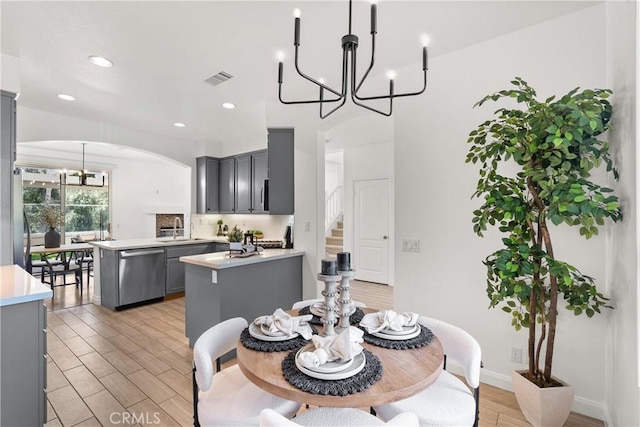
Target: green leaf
{"points": [[579, 199]]}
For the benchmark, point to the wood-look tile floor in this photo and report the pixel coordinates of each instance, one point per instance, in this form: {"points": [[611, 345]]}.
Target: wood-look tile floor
{"points": [[110, 368]]}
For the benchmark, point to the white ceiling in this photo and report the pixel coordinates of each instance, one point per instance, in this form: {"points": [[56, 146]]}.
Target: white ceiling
{"points": [[163, 51]]}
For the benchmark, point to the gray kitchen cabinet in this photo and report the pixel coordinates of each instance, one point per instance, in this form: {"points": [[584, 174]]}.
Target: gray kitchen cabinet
{"points": [[207, 185], [243, 184], [175, 269], [259, 177], [281, 171], [227, 186], [221, 247], [24, 364]]}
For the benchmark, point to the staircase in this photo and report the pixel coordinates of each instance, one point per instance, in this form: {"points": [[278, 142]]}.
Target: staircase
{"points": [[334, 243]]}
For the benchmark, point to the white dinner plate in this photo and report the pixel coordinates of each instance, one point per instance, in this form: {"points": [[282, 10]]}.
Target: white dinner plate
{"points": [[398, 337], [358, 364], [317, 309], [406, 330], [254, 331], [326, 368]]}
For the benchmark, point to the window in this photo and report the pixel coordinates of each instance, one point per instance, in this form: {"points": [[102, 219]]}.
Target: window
{"points": [[85, 202]]}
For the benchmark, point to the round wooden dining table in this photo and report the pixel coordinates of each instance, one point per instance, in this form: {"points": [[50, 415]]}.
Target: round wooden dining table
{"points": [[405, 373]]}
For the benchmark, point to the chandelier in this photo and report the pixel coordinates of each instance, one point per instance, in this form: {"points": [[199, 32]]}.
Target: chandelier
{"points": [[84, 174], [349, 81]]}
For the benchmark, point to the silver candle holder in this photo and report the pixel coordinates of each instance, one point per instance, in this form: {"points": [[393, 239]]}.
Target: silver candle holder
{"points": [[329, 317], [345, 304]]}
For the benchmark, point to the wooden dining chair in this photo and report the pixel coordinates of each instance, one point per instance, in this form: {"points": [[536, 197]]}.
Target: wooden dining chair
{"points": [[61, 267], [334, 417], [226, 397], [448, 401]]}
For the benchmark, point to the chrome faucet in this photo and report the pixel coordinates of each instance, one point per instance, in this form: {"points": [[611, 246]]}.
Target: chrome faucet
{"points": [[176, 221]]}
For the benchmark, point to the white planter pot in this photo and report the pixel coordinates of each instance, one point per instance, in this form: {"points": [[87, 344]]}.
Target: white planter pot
{"points": [[548, 407], [235, 246]]}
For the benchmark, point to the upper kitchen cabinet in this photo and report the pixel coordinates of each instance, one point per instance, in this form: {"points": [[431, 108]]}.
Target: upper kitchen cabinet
{"points": [[227, 185], [207, 185], [243, 184], [281, 171], [259, 186]]}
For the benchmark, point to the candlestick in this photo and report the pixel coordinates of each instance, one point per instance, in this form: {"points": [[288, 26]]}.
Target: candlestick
{"points": [[345, 305], [329, 318]]}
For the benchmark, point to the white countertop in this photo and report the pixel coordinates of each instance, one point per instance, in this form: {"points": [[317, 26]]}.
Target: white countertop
{"points": [[17, 286], [157, 242], [220, 260]]}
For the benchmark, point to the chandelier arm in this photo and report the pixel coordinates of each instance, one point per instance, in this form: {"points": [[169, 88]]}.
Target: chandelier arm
{"points": [[314, 101], [312, 80], [354, 98], [345, 70], [373, 52], [395, 95]]}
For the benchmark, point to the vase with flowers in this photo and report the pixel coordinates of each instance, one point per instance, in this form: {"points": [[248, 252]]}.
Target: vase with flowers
{"points": [[52, 218]]}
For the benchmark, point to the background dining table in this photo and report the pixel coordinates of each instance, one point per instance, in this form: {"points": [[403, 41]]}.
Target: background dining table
{"points": [[405, 373]]}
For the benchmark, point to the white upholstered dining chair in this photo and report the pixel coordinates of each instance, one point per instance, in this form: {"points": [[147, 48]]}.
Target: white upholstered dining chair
{"points": [[448, 401], [226, 397], [333, 417], [307, 302]]}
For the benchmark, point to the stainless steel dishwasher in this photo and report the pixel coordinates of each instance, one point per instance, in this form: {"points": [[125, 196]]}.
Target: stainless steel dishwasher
{"points": [[141, 275]]}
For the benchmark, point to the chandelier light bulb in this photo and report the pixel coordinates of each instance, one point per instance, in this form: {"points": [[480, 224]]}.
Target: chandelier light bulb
{"points": [[391, 75], [297, 13], [280, 56], [321, 80], [424, 39]]}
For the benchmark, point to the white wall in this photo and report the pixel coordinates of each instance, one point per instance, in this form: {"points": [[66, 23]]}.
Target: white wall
{"points": [[366, 162], [433, 187], [142, 190], [332, 176], [623, 395]]}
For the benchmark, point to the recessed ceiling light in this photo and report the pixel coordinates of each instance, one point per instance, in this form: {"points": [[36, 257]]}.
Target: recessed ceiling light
{"points": [[179, 125], [228, 105], [100, 61], [66, 97]]}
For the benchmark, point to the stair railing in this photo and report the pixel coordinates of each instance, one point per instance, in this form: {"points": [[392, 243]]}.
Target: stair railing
{"points": [[332, 208]]}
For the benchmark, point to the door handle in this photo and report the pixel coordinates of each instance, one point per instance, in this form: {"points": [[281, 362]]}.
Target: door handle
{"points": [[385, 237]]}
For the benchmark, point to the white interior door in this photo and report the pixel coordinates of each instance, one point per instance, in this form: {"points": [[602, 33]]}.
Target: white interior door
{"points": [[371, 230]]}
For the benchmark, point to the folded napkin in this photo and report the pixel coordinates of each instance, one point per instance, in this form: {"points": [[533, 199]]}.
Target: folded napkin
{"points": [[282, 322], [388, 319], [342, 347]]}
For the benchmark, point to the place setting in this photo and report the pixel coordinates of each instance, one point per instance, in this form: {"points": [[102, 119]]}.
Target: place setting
{"points": [[317, 366], [277, 332], [399, 331]]}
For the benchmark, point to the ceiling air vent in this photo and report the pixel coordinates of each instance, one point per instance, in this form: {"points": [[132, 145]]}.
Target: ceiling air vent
{"points": [[216, 79]]}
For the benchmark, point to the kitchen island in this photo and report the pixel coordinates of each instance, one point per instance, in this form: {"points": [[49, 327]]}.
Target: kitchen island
{"points": [[219, 287], [134, 271]]}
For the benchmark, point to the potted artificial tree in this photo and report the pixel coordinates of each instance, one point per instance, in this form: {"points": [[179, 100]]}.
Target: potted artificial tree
{"points": [[235, 239], [550, 147], [51, 218]]}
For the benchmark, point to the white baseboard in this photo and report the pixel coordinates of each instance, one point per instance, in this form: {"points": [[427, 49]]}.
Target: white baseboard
{"points": [[581, 405], [96, 300]]}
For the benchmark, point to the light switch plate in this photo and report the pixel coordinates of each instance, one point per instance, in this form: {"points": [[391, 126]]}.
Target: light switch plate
{"points": [[214, 276], [410, 245]]}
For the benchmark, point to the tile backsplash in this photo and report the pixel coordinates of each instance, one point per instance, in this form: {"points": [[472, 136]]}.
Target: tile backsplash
{"points": [[273, 226], [166, 220]]}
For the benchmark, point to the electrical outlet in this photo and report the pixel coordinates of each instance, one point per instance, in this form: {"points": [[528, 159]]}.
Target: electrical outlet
{"points": [[516, 354]]}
